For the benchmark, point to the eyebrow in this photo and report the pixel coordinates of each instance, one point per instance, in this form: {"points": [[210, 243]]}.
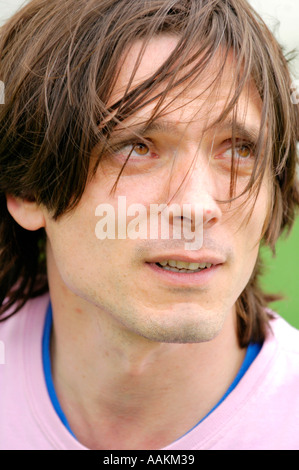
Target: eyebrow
{"points": [[241, 130]]}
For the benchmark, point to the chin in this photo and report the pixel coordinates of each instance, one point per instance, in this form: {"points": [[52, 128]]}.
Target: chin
{"points": [[181, 330]]}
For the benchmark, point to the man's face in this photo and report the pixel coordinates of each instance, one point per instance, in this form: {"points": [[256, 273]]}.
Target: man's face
{"points": [[137, 284]]}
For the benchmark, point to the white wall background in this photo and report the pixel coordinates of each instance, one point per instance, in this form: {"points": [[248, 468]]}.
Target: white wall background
{"points": [[7, 7], [282, 16]]}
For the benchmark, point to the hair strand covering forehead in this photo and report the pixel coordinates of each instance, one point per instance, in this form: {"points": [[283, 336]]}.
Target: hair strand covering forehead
{"points": [[71, 76], [60, 61]]}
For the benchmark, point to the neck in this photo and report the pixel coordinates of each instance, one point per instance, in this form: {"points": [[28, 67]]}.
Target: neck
{"points": [[121, 391]]}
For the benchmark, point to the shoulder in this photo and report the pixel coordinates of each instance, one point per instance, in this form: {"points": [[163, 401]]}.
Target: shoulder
{"points": [[285, 335], [28, 321], [281, 348]]}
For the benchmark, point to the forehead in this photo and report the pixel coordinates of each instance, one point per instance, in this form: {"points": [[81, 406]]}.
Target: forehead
{"points": [[203, 99]]}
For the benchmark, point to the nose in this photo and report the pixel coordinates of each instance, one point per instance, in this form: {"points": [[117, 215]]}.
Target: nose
{"points": [[197, 194]]}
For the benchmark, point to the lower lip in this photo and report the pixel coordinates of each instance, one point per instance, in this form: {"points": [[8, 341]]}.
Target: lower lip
{"points": [[185, 279]]}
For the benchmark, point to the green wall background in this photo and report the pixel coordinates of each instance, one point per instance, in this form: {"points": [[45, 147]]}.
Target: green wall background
{"points": [[281, 275]]}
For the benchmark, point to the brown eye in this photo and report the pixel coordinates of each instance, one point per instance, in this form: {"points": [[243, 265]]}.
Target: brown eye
{"points": [[244, 151], [136, 152], [141, 149]]}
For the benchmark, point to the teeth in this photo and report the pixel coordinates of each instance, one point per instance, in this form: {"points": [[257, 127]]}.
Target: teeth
{"points": [[163, 263], [183, 266], [172, 263]]}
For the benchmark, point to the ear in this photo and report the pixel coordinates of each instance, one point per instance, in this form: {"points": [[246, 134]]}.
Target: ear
{"points": [[26, 213]]}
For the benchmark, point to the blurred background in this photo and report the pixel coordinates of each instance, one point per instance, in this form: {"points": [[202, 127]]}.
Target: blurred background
{"points": [[281, 274]]}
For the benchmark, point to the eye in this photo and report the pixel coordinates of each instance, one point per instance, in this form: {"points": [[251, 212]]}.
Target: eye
{"points": [[136, 151], [140, 149], [242, 151]]}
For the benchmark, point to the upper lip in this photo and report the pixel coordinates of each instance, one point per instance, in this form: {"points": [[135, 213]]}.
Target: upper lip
{"points": [[192, 258]]}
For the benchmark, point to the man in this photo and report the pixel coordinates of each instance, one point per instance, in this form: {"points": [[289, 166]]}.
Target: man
{"points": [[144, 342]]}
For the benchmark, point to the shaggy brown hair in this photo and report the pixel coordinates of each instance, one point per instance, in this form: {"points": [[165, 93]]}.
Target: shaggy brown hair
{"points": [[59, 61]]}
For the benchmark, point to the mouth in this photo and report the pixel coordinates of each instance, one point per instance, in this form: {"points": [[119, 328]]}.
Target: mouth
{"points": [[183, 267], [182, 270]]}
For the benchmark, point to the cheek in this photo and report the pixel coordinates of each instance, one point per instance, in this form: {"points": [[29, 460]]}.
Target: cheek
{"points": [[256, 211], [145, 189], [246, 227], [72, 242], [261, 211]]}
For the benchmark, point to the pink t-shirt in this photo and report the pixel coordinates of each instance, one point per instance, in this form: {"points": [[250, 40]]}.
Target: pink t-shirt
{"points": [[262, 412]]}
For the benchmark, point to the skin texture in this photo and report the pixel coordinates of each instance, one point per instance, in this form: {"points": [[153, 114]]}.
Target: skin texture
{"points": [[136, 351]]}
